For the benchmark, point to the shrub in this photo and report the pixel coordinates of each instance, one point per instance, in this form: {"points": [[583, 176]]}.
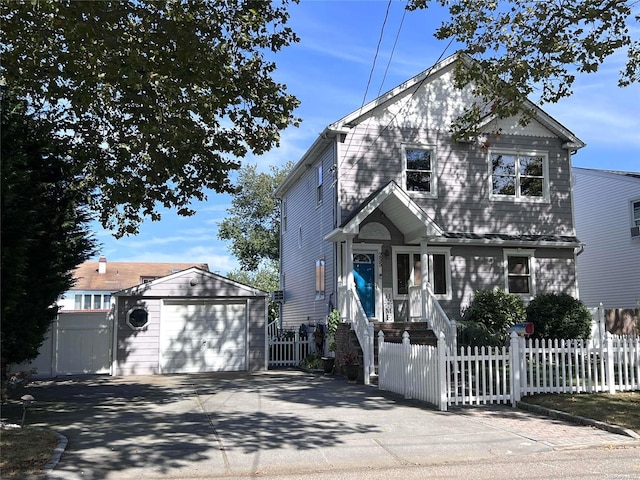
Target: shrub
{"points": [[490, 314], [559, 316]]}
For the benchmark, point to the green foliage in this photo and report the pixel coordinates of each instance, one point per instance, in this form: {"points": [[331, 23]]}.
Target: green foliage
{"points": [[253, 221], [312, 361], [333, 320], [265, 278], [559, 316], [490, 314], [527, 46], [163, 98], [45, 228]]}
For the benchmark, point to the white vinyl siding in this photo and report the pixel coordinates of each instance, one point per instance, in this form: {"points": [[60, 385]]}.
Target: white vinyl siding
{"points": [[308, 222], [608, 268]]}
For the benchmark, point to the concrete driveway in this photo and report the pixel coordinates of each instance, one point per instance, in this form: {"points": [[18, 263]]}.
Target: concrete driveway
{"points": [[276, 422]]}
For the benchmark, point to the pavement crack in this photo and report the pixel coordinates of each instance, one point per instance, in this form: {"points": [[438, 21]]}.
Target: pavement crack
{"points": [[399, 459], [221, 448]]}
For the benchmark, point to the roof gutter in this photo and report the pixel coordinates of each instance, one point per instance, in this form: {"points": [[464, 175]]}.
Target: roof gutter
{"points": [[309, 157]]}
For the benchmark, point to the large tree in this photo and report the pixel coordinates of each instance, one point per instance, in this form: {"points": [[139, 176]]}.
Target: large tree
{"points": [[45, 228], [522, 47], [253, 220], [162, 98]]}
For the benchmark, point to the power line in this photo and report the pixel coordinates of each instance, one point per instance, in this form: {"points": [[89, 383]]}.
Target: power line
{"points": [[395, 43]]}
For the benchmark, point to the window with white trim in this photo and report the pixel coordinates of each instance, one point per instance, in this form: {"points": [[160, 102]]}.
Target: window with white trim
{"points": [[407, 271], [320, 278], [519, 267], [635, 213], [519, 175], [92, 301], [319, 185], [419, 170], [283, 206]]}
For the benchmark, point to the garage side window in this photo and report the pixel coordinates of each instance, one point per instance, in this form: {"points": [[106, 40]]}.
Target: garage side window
{"points": [[137, 318]]}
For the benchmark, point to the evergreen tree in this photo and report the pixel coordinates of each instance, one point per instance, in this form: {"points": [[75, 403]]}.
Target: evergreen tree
{"points": [[45, 225]]}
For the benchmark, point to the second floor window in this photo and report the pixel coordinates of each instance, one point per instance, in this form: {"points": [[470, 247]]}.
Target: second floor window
{"points": [[419, 170], [635, 213], [519, 175], [92, 302], [319, 185]]}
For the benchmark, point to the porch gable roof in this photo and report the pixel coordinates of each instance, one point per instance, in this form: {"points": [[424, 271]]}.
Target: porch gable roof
{"points": [[398, 206]]}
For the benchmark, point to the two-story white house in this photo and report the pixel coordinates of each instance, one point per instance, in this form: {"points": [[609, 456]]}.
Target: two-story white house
{"points": [[607, 211], [388, 219]]}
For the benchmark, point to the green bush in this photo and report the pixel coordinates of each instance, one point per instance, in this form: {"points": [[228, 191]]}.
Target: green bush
{"points": [[490, 314], [559, 316], [313, 361]]}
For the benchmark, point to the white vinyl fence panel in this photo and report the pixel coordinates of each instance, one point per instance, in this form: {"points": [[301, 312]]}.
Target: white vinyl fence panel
{"points": [[442, 376]]}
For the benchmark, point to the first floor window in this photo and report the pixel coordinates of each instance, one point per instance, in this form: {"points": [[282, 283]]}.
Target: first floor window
{"points": [[320, 281], [408, 271], [520, 267]]}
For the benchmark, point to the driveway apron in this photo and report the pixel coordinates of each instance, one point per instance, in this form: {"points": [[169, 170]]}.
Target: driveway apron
{"points": [[276, 422]]}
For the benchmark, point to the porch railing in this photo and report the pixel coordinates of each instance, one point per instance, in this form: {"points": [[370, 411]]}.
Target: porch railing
{"points": [[439, 322], [353, 312]]}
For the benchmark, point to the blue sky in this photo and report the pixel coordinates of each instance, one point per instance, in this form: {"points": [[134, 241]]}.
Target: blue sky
{"points": [[329, 69]]}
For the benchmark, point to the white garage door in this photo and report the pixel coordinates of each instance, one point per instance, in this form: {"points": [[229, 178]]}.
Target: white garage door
{"points": [[83, 343], [203, 337]]}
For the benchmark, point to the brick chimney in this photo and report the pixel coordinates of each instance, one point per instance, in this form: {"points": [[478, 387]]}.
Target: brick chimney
{"points": [[102, 265]]}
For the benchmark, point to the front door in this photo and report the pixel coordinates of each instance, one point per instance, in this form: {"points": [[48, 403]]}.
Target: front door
{"points": [[364, 277]]}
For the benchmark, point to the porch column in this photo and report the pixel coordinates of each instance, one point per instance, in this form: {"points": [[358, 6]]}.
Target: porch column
{"points": [[424, 284], [348, 272]]}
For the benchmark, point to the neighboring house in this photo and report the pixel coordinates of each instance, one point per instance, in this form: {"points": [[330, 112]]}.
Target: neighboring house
{"points": [[94, 283], [385, 207], [607, 212], [83, 340]]}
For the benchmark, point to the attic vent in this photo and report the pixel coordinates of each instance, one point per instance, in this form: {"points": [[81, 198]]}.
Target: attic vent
{"points": [[635, 232], [277, 296]]}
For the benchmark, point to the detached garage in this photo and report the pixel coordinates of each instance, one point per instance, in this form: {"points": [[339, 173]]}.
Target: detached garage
{"points": [[189, 322]]}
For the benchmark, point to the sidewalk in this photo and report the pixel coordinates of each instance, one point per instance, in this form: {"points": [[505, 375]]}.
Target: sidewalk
{"points": [[276, 422]]}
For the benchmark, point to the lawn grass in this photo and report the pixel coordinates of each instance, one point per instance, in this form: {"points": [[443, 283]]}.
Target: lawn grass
{"points": [[621, 409], [25, 450]]}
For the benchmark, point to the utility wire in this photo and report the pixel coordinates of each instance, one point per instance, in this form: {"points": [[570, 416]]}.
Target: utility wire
{"points": [[395, 43]]}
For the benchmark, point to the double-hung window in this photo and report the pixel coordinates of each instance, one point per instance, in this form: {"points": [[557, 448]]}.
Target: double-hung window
{"points": [[408, 271], [320, 278], [419, 170], [520, 176], [519, 267], [635, 213]]}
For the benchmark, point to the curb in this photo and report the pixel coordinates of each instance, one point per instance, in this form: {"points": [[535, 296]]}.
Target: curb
{"points": [[577, 419], [57, 453]]}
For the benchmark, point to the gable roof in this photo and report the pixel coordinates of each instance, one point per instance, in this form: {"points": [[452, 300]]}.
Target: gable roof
{"points": [[201, 283], [120, 275], [410, 219], [413, 84]]}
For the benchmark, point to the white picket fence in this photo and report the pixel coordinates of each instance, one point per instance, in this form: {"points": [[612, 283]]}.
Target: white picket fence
{"points": [[288, 349], [473, 376]]}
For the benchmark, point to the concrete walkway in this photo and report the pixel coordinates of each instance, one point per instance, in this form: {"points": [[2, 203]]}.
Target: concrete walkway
{"points": [[277, 422]]}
